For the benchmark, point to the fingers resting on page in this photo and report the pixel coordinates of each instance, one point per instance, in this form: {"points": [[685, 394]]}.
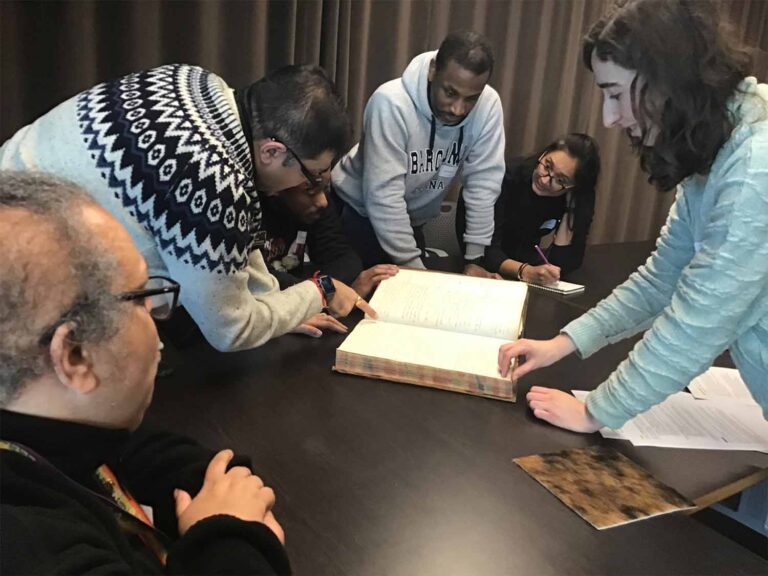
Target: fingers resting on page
{"points": [[368, 279], [479, 272]]}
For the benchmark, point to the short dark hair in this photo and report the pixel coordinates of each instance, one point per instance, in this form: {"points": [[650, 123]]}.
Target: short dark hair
{"points": [[691, 66], [22, 321], [468, 49], [299, 105], [586, 152]]}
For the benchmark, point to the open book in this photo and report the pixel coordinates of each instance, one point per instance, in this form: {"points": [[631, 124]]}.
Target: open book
{"points": [[440, 330]]}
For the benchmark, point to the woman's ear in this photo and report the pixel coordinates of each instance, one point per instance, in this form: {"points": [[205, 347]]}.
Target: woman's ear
{"points": [[72, 361]]}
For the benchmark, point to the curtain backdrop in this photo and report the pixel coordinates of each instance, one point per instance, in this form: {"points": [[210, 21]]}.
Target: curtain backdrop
{"points": [[51, 50]]}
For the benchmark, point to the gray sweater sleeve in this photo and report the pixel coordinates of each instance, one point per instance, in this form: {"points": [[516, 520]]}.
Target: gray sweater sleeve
{"points": [[243, 309], [483, 174], [385, 158]]}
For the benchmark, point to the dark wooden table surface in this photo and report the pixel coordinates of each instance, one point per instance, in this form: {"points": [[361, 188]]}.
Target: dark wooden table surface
{"points": [[379, 478]]}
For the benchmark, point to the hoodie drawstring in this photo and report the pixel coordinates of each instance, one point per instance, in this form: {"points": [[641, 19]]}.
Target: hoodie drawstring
{"points": [[432, 134], [432, 138]]}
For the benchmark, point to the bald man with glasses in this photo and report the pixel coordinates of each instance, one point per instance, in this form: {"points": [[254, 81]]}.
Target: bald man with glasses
{"points": [[83, 488]]}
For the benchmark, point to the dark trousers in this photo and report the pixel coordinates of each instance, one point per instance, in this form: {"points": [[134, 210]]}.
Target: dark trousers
{"points": [[362, 236]]}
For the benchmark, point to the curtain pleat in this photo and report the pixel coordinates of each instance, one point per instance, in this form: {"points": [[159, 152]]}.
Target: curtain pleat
{"points": [[51, 50]]}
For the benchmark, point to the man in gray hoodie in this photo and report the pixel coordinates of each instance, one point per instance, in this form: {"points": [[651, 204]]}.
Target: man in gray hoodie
{"points": [[439, 121]]}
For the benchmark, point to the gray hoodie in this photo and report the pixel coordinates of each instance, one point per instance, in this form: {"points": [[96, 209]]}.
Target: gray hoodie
{"points": [[406, 160]]}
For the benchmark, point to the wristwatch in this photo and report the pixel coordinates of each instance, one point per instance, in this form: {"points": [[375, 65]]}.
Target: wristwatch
{"points": [[326, 287]]}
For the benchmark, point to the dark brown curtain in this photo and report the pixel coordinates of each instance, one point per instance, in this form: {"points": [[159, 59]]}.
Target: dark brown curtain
{"points": [[50, 50]]}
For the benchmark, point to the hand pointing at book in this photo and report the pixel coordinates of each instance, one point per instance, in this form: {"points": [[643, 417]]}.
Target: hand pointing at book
{"points": [[346, 299]]}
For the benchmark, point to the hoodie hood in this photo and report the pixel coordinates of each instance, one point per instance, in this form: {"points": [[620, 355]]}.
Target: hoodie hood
{"points": [[416, 81]]}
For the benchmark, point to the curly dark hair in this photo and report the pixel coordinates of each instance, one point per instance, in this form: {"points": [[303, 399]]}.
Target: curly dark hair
{"points": [[691, 65]]}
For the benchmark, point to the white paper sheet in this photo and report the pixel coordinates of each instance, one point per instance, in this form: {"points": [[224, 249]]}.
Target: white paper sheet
{"points": [[722, 385], [681, 421]]}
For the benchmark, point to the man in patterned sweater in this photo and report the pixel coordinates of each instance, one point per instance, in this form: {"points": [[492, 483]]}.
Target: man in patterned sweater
{"points": [[178, 157]]}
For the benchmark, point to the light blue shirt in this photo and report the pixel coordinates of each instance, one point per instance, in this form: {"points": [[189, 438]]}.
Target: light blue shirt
{"points": [[705, 287]]}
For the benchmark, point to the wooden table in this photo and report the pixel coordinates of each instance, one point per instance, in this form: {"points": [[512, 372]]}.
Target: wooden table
{"points": [[377, 478]]}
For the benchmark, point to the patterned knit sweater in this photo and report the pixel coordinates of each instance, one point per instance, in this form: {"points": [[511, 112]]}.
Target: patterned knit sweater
{"points": [[163, 150], [704, 289]]}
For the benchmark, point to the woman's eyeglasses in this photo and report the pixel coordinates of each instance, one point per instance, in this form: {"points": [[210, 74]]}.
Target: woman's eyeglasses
{"points": [[558, 183]]}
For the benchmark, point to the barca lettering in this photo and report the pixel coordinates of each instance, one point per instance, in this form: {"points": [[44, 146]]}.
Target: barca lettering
{"points": [[427, 160]]}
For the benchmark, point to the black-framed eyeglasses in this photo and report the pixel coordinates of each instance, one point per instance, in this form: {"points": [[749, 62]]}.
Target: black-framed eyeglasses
{"points": [[316, 181], [162, 293], [562, 183]]}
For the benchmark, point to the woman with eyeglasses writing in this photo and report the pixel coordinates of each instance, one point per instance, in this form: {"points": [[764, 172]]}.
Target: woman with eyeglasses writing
{"points": [[676, 82], [552, 192]]}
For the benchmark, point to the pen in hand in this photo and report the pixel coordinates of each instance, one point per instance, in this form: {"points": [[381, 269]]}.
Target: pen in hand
{"points": [[541, 253]]}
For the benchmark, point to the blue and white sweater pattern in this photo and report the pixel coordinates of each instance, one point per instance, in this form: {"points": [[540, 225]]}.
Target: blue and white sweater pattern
{"points": [[171, 150]]}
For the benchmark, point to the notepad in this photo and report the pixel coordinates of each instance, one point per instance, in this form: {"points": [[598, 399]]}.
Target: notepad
{"points": [[559, 287]]}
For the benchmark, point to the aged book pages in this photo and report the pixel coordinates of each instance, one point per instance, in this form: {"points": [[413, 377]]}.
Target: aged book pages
{"points": [[440, 330]]}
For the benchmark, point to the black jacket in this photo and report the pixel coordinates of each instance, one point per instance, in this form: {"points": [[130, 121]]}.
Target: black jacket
{"points": [[328, 247], [52, 523]]}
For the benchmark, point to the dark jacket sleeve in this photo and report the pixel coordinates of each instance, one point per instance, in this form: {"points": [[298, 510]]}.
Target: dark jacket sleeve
{"points": [[330, 250], [227, 545], [153, 464], [569, 258], [284, 279]]}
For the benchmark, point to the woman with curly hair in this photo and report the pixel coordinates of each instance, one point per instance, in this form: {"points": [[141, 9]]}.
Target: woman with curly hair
{"points": [[674, 80]]}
